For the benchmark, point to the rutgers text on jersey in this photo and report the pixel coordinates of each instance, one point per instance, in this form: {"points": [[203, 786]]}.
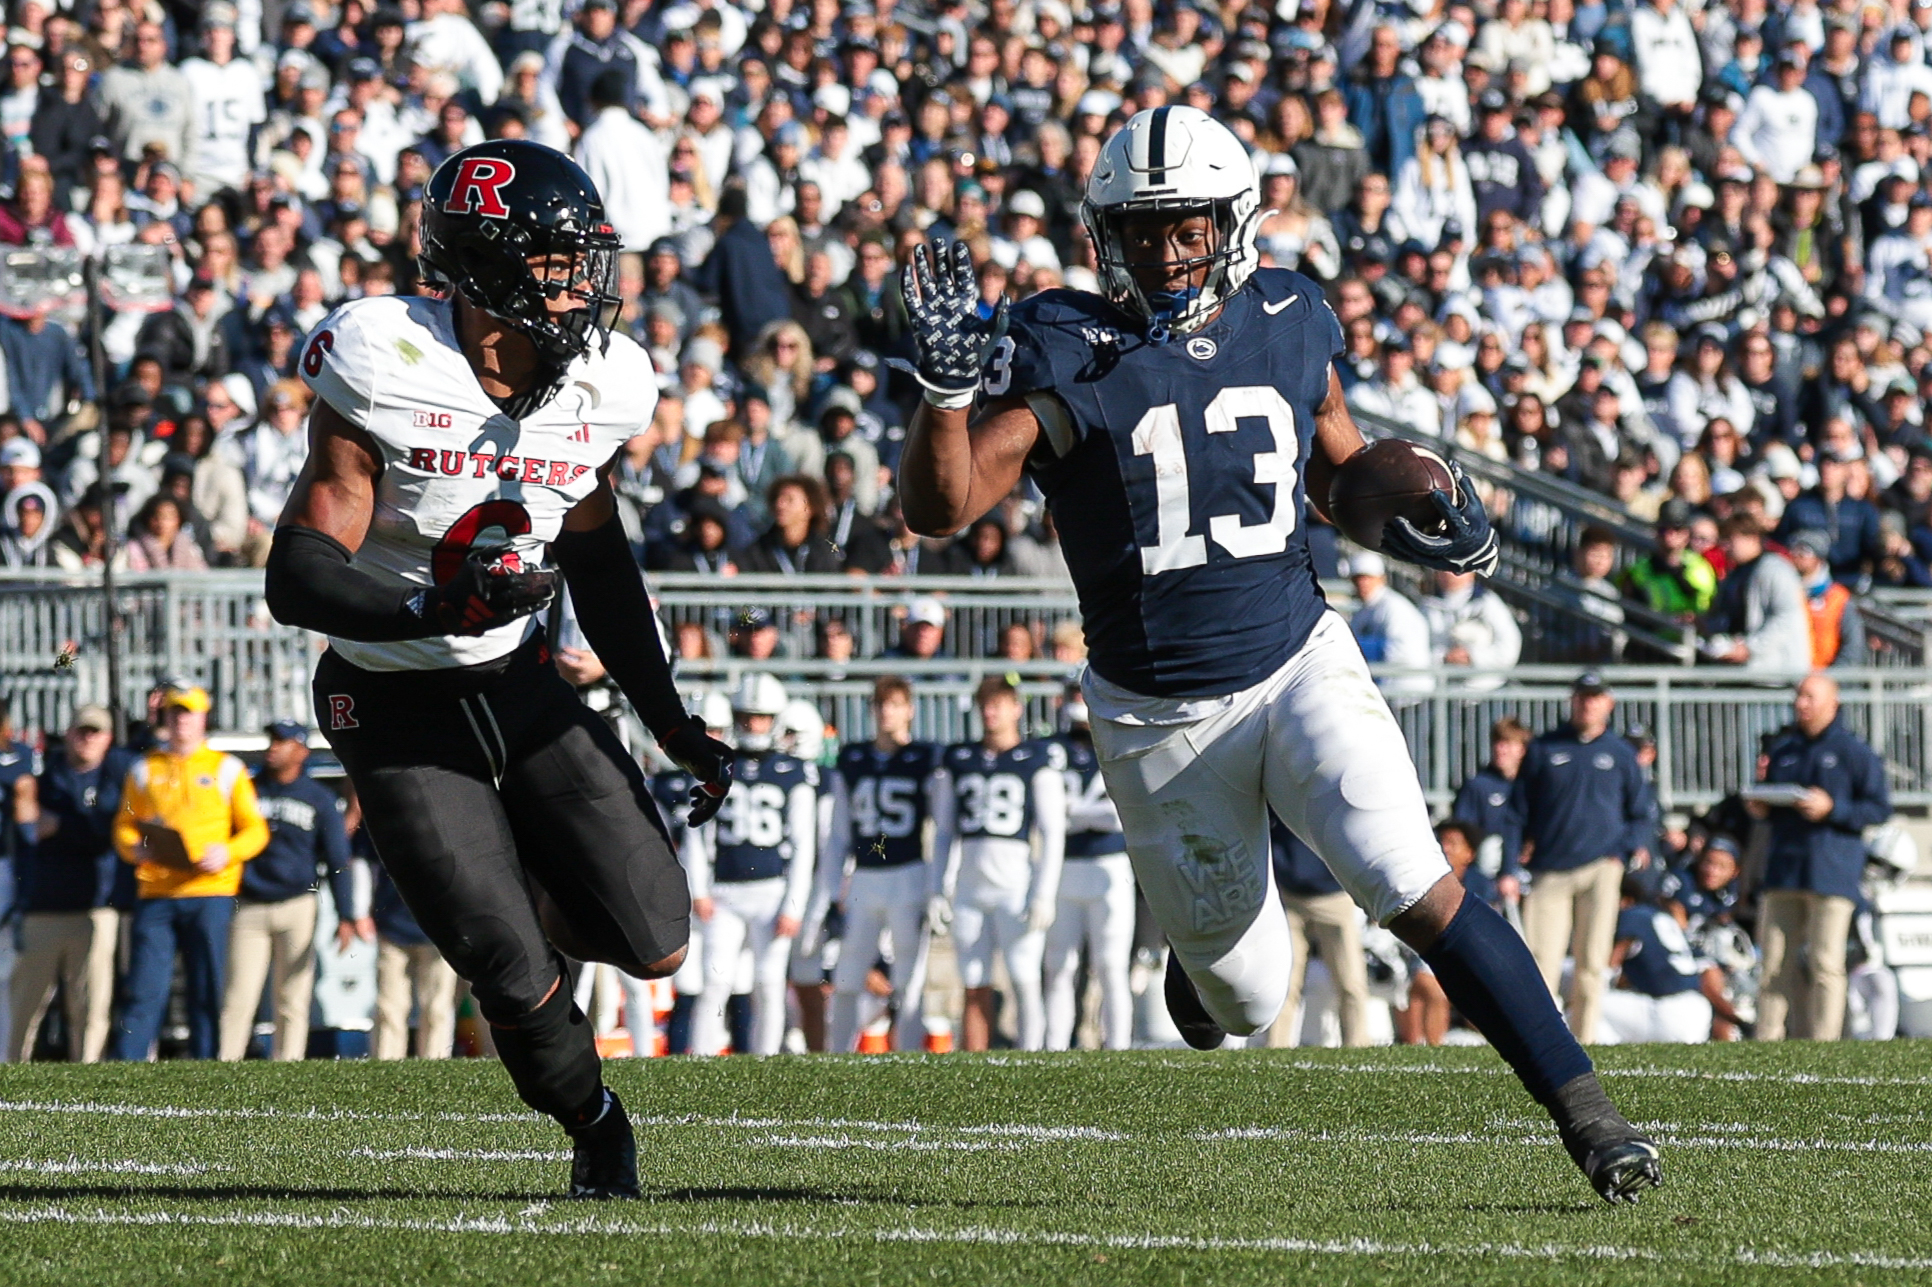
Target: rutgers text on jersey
{"points": [[457, 471]]}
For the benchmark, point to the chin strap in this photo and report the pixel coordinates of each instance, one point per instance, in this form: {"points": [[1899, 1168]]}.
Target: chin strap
{"points": [[1163, 307]]}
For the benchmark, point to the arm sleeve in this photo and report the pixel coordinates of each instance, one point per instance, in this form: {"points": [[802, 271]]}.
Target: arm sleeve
{"points": [[698, 842], [801, 820], [312, 581], [1050, 813], [335, 855], [946, 848], [615, 613], [1871, 801]]}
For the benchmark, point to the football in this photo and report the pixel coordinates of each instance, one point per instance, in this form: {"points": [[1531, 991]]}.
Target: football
{"points": [[1390, 478]]}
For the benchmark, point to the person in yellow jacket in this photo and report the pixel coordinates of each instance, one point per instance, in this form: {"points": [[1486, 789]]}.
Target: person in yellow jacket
{"points": [[188, 822]]}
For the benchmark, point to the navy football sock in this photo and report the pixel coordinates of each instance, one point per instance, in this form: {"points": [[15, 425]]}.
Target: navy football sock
{"points": [[1488, 973]]}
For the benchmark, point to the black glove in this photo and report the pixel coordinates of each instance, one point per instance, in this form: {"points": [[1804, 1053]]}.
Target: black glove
{"points": [[951, 337], [485, 593], [705, 758], [1468, 543]]}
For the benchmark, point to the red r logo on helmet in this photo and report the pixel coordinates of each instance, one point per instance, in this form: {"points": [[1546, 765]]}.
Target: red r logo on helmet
{"points": [[479, 187], [342, 712]]}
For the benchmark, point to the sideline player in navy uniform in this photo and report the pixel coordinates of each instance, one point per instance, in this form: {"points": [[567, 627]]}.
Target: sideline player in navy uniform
{"points": [[1096, 897], [751, 871], [1175, 427], [995, 892], [883, 791], [458, 447]]}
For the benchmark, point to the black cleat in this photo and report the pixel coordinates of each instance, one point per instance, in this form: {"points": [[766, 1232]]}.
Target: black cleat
{"points": [[1198, 1028], [605, 1162], [1619, 1160]]}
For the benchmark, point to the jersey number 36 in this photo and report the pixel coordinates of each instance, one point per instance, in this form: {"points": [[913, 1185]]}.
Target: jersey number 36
{"points": [[754, 815], [1159, 435]]}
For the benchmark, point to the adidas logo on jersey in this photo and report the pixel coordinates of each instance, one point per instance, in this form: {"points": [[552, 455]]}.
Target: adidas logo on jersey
{"points": [[511, 469], [582, 434]]}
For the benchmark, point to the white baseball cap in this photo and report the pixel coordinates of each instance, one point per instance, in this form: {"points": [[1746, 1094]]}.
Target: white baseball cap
{"points": [[1368, 563], [20, 452], [926, 611]]}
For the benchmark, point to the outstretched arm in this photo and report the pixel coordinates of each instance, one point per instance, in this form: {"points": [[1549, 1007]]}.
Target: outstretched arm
{"points": [[607, 588], [956, 466]]}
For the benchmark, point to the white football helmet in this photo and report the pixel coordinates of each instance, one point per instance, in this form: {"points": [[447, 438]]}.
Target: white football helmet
{"points": [[801, 730], [757, 693], [1178, 159], [715, 709]]}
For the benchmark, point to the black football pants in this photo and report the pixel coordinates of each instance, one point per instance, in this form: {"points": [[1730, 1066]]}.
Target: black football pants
{"points": [[483, 788]]}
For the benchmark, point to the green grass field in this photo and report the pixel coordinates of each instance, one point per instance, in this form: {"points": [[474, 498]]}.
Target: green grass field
{"points": [[1800, 1164]]}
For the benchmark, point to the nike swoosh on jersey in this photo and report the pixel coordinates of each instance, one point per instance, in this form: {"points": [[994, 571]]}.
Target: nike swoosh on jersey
{"points": [[1272, 309]]}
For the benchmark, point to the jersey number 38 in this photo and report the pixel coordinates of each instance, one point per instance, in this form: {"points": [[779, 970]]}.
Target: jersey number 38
{"points": [[992, 804]]}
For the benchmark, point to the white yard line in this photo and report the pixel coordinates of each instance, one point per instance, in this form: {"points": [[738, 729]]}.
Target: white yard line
{"points": [[912, 1144], [1675, 1074], [123, 1166], [1673, 1138], [460, 1155], [974, 1236]]}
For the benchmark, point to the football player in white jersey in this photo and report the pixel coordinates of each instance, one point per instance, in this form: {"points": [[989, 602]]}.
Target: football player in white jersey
{"points": [[1177, 424], [997, 894], [458, 446], [751, 872]]}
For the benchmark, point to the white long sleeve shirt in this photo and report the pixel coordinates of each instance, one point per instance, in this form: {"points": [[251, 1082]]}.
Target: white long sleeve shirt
{"points": [[1670, 70], [1778, 131], [632, 171]]}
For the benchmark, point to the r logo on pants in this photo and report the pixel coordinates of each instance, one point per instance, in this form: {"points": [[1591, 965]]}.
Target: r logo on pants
{"points": [[342, 712]]}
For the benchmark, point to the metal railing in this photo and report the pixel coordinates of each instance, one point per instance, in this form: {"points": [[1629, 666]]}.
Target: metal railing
{"points": [[214, 629]]}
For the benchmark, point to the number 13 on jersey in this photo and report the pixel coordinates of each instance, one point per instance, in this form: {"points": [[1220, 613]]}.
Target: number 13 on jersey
{"points": [[1159, 435]]}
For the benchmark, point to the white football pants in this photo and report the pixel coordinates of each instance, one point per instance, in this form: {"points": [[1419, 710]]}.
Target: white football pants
{"points": [[1096, 908], [882, 900], [1628, 1017], [745, 914], [989, 918], [1194, 780]]}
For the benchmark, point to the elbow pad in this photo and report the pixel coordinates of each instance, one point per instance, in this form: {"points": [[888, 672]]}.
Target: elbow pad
{"points": [[313, 582]]}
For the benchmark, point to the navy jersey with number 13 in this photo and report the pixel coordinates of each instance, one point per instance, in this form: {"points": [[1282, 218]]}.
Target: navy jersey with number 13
{"points": [[1175, 477]]}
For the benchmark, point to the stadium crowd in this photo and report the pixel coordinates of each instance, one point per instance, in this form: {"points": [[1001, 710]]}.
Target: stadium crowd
{"points": [[1675, 255]]}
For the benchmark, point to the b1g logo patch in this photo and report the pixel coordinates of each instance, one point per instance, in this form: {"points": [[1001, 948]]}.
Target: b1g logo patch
{"points": [[478, 188], [342, 712]]}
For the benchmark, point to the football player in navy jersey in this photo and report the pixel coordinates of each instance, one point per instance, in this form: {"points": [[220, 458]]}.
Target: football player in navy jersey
{"points": [[1175, 426], [751, 870], [994, 894], [1096, 898], [883, 791]]}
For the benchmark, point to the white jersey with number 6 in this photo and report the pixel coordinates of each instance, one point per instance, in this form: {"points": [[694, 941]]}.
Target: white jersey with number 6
{"points": [[458, 473]]}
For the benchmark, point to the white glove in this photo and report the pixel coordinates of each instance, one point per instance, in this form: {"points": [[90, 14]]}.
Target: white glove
{"points": [[939, 913], [1039, 916]]}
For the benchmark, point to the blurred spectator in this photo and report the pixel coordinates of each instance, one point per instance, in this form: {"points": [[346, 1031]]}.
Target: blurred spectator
{"points": [[1658, 994], [1759, 618], [272, 938], [1848, 522], [795, 544], [980, 551], [276, 450], [159, 541], [1673, 580], [189, 341], [1817, 856], [27, 526], [1389, 629], [188, 821], [219, 491], [740, 272], [1837, 632], [73, 891], [922, 635], [1469, 625], [1583, 810], [45, 372], [626, 162], [1483, 801], [1323, 917]]}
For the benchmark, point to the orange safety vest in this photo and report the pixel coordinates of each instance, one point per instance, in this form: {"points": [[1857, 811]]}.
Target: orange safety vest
{"points": [[1827, 612]]}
